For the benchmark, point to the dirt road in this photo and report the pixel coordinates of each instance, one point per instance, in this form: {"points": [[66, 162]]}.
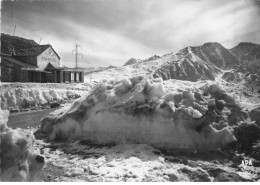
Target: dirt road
{"points": [[27, 119]]}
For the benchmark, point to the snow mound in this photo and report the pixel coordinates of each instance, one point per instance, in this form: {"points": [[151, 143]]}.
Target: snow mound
{"points": [[18, 160], [249, 80], [25, 98], [141, 110], [3, 119]]}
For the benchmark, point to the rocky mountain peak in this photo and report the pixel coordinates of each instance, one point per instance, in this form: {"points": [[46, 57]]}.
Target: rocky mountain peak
{"points": [[132, 61]]}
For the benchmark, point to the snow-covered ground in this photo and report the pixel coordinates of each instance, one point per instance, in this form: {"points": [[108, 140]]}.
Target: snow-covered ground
{"points": [[18, 159], [18, 96], [86, 161], [83, 161]]}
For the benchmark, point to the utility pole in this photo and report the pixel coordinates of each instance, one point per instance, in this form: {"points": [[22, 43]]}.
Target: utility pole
{"points": [[12, 49], [77, 54], [14, 30], [40, 40]]}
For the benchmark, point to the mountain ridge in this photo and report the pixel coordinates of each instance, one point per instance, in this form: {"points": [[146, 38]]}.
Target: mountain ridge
{"points": [[248, 54], [194, 63]]}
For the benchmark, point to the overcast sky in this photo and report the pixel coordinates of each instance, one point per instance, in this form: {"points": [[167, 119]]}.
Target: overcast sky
{"points": [[112, 31]]}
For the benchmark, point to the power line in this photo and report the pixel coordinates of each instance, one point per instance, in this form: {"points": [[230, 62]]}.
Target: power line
{"points": [[77, 54], [14, 30], [40, 40], [12, 11], [12, 49]]}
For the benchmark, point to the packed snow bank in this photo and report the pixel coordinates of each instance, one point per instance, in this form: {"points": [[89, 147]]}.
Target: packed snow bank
{"points": [[18, 160], [121, 163], [249, 80], [3, 120], [20, 98], [140, 110], [84, 161]]}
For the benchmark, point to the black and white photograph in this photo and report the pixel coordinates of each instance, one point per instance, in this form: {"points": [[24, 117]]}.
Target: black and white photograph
{"points": [[130, 91]]}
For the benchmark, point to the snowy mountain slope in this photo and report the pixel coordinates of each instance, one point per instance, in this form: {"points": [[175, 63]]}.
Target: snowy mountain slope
{"points": [[132, 61], [216, 54], [248, 74], [249, 54], [185, 65], [198, 63], [191, 63], [143, 68], [155, 57]]}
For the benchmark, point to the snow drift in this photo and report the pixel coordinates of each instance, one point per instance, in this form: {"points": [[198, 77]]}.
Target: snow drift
{"points": [[141, 110], [25, 98], [18, 160]]}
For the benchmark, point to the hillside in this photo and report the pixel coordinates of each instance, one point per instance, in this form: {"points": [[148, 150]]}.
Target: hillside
{"points": [[191, 63], [198, 63], [132, 61], [249, 54], [91, 70]]}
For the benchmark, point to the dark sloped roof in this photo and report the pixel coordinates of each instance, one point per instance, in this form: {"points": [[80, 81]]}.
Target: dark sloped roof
{"points": [[19, 43], [11, 59], [33, 51], [21, 46]]}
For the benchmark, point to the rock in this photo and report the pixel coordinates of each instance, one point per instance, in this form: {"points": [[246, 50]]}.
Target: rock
{"points": [[256, 150], [237, 115], [256, 163], [13, 110], [173, 177], [225, 176], [54, 104], [246, 134], [255, 115], [93, 170], [220, 104], [196, 175]]}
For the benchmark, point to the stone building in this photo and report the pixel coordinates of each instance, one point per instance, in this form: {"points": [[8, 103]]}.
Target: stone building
{"points": [[24, 60]]}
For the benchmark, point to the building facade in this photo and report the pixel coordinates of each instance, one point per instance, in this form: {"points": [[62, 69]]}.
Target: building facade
{"points": [[34, 63]]}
